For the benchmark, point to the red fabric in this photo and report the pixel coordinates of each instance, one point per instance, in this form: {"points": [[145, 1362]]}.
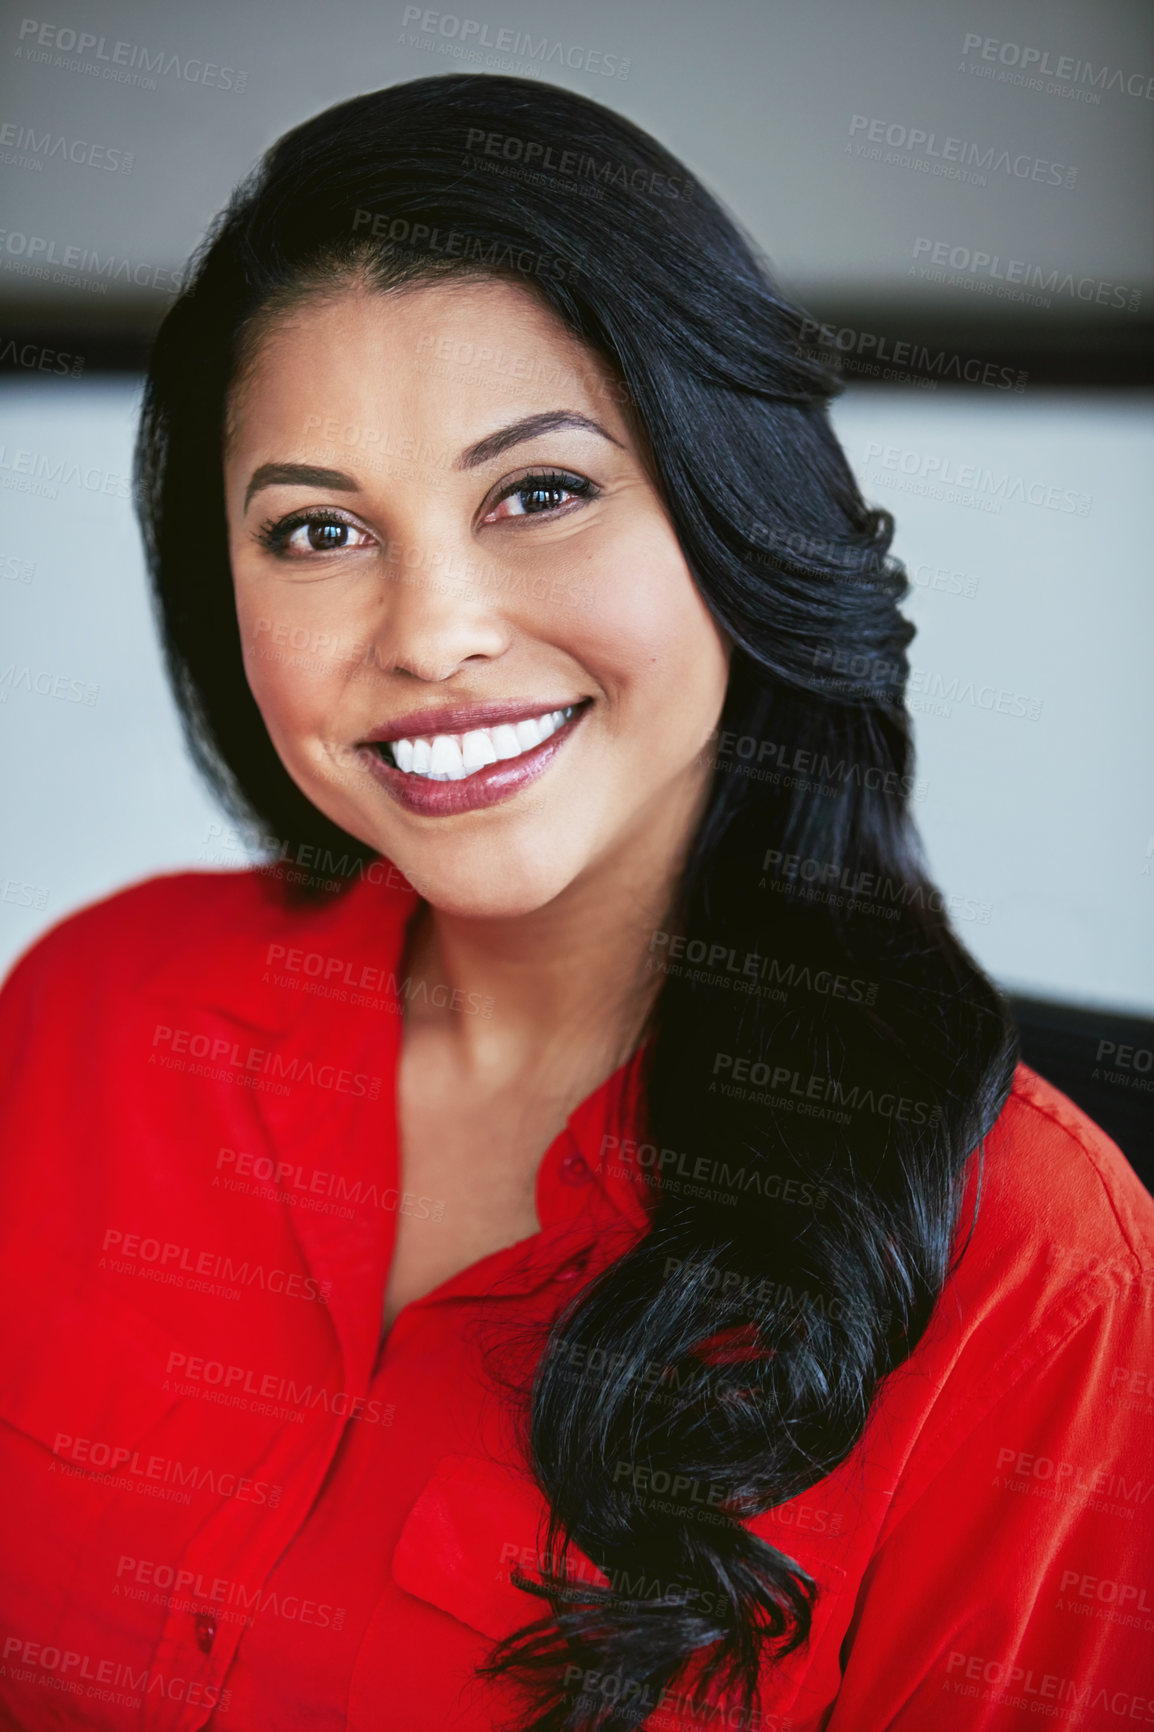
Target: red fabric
{"points": [[224, 1505]]}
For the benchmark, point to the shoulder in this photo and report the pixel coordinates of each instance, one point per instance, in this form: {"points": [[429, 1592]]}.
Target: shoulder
{"points": [[172, 905], [164, 921], [195, 925], [1052, 1286], [1055, 1187], [1056, 1241]]}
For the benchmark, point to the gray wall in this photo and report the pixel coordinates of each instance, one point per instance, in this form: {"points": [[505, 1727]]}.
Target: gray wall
{"points": [[758, 96]]}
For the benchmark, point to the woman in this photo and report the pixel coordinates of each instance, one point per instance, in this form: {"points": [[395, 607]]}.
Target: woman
{"points": [[566, 1243]]}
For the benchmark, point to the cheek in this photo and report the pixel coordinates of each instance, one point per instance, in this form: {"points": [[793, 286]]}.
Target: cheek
{"points": [[290, 673], [649, 636], [298, 652], [279, 697]]}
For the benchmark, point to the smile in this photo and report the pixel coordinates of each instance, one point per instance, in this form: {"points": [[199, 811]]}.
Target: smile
{"points": [[441, 773], [452, 757]]}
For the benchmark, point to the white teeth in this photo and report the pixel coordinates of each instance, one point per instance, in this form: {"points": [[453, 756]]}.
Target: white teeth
{"points": [[477, 750], [445, 763], [505, 741], [450, 757]]}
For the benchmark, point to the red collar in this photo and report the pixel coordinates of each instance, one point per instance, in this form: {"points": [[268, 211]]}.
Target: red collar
{"points": [[590, 1193]]}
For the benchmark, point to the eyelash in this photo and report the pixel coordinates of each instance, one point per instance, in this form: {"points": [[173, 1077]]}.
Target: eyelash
{"points": [[548, 481], [274, 535]]}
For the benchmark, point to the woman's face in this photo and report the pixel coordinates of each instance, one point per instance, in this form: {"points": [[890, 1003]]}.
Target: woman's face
{"points": [[466, 618]]}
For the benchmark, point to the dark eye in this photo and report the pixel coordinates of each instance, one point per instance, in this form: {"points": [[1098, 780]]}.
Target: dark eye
{"points": [[534, 495], [323, 536], [303, 533]]}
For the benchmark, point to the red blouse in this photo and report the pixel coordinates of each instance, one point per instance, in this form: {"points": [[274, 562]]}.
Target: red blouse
{"points": [[227, 1505]]}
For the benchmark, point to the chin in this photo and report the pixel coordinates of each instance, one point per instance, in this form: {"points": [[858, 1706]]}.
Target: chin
{"points": [[500, 890], [527, 858]]}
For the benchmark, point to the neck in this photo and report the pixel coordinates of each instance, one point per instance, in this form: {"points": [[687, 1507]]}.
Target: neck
{"points": [[561, 995]]}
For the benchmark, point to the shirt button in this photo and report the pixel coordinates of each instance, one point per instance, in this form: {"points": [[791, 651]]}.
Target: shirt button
{"points": [[205, 1633], [575, 1170]]}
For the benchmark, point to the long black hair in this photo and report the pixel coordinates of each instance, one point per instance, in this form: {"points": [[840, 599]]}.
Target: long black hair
{"points": [[825, 1056]]}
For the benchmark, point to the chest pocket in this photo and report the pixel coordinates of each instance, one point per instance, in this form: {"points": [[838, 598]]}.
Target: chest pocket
{"points": [[83, 1366], [472, 1525], [475, 1521]]}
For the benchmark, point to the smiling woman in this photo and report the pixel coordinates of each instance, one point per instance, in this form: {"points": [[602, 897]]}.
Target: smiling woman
{"points": [[562, 633], [604, 1264]]}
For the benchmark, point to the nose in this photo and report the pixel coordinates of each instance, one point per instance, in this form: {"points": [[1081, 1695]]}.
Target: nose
{"points": [[437, 611]]}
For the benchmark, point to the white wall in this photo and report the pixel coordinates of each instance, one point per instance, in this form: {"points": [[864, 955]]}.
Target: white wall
{"points": [[1042, 828], [1048, 822]]}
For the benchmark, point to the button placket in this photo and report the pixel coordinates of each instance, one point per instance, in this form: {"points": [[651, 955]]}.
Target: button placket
{"points": [[228, 1546]]}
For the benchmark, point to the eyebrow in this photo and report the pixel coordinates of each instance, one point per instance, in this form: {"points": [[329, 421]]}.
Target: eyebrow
{"points": [[298, 475], [530, 427], [492, 445]]}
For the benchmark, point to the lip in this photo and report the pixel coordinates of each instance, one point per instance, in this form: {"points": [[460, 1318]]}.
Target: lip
{"points": [[463, 718], [485, 787]]}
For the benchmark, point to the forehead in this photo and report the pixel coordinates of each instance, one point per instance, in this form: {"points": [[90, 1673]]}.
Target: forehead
{"points": [[458, 356]]}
